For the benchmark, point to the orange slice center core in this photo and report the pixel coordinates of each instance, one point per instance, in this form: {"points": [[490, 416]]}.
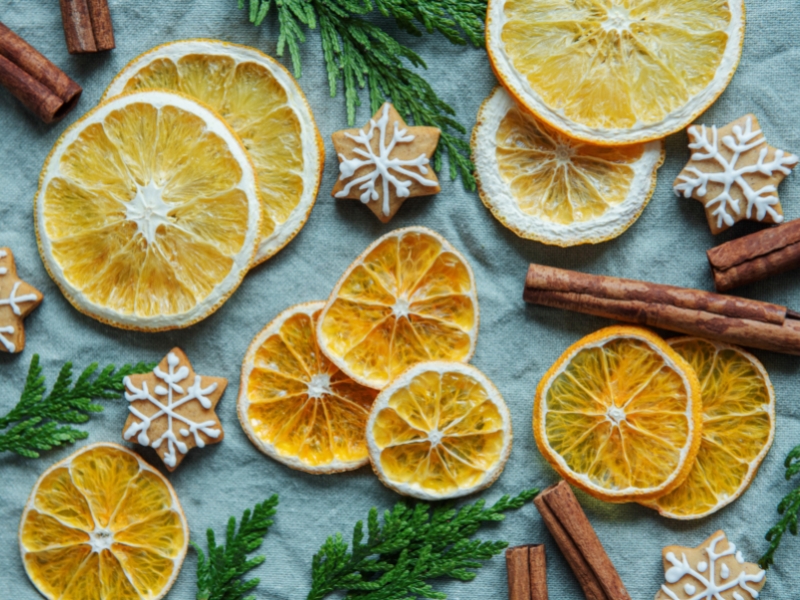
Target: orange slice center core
{"points": [[616, 415], [148, 210], [319, 386], [401, 307], [101, 539], [617, 19]]}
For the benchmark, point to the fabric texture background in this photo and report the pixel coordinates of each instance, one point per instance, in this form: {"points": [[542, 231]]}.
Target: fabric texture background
{"points": [[516, 345]]}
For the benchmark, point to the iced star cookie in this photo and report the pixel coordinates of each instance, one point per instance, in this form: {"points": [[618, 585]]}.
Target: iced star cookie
{"points": [[17, 301], [172, 408], [734, 173], [715, 569], [385, 163]]}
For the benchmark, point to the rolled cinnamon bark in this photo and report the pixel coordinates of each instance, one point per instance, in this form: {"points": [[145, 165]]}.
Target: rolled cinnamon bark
{"points": [[527, 573], [41, 86], [87, 26], [716, 316], [756, 256]]}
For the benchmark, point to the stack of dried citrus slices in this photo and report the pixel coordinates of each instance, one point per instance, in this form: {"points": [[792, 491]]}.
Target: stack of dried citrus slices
{"points": [[566, 152], [376, 374], [680, 426], [203, 160]]}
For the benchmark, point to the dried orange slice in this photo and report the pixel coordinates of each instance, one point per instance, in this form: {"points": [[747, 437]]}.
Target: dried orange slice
{"points": [[263, 104], [550, 188], [103, 524], [440, 430], [409, 298], [615, 72], [298, 407], [619, 415], [738, 428], [147, 213]]}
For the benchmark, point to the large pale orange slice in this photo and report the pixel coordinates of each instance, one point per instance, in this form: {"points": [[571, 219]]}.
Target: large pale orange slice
{"points": [[409, 298], [295, 405], [619, 415], [440, 430], [263, 104], [103, 525]]}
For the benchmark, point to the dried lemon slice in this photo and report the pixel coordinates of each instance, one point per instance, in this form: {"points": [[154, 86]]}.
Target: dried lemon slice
{"points": [[295, 405], [102, 523], [615, 72], [553, 189], [409, 298], [440, 430], [738, 428], [263, 104], [619, 415], [147, 212]]}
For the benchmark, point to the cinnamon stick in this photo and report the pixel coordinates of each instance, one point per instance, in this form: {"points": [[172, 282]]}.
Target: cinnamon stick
{"points": [[87, 26], [572, 531], [693, 312], [756, 256], [527, 573], [41, 86]]}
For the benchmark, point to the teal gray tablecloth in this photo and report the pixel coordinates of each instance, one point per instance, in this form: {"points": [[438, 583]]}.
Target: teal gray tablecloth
{"points": [[517, 343]]}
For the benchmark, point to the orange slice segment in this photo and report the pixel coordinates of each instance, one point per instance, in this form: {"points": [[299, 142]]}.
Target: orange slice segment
{"points": [[738, 428], [295, 405], [619, 415], [76, 537], [263, 104], [440, 430], [409, 297]]}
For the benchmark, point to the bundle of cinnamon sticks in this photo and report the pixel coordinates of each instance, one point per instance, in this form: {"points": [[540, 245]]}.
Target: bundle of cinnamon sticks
{"points": [[694, 312], [87, 26]]}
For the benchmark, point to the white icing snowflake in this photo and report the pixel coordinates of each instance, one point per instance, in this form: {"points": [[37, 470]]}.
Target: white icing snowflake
{"points": [[740, 142], [708, 586], [12, 301], [383, 162], [167, 405]]}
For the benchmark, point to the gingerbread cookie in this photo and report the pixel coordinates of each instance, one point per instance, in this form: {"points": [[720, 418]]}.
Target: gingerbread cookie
{"points": [[172, 408], [715, 569], [17, 301], [384, 164], [735, 173]]}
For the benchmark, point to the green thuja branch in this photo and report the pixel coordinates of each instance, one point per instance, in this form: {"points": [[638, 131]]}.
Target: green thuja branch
{"points": [[219, 575], [361, 55], [788, 507], [41, 421], [412, 546]]}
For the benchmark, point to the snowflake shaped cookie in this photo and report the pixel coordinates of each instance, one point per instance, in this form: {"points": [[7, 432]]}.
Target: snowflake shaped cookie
{"points": [[715, 570], [17, 301], [735, 173], [172, 408], [385, 163]]}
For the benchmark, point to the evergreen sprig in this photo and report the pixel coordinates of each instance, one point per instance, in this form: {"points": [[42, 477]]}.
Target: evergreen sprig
{"points": [[788, 507], [42, 421], [362, 55], [414, 544], [219, 576]]}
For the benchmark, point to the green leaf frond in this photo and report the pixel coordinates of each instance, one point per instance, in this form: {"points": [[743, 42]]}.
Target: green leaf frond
{"points": [[41, 421], [414, 544]]}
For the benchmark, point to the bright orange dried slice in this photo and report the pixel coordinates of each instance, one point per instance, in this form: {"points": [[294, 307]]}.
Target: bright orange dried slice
{"points": [[263, 104], [440, 430], [295, 405], [619, 415], [103, 525], [409, 298], [738, 428]]}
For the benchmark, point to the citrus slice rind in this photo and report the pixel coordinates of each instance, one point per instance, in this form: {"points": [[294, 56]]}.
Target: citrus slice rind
{"points": [[575, 64], [738, 428], [295, 405], [410, 297], [440, 430], [136, 253], [279, 108], [619, 415], [552, 189], [125, 539]]}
